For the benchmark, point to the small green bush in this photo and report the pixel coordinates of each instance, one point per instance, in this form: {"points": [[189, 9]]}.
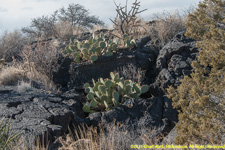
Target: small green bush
{"points": [[107, 94], [201, 96]]}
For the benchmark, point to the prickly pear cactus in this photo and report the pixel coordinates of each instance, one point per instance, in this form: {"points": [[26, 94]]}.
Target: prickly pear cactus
{"points": [[90, 49], [106, 94]]}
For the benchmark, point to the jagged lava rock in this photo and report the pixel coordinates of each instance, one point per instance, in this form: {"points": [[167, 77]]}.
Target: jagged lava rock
{"points": [[35, 113]]}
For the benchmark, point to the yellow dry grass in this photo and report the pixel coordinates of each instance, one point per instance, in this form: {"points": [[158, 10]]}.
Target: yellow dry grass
{"points": [[11, 75]]}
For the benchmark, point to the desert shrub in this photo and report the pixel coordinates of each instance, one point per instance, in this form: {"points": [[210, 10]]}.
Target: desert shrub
{"points": [[107, 94], [165, 26], [78, 17], [41, 62], [131, 72], [11, 45], [42, 27], [201, 96], [64, 30], [61, 23]]}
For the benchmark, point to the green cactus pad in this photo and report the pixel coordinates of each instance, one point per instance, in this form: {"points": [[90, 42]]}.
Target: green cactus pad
{"points": [[97, 84], [102, 81], [87, 90], [108, 83], [91, 41], [120, 84], [103, 98], [108, 54], [117, 79], [132, 42], [94, 103], [90, 96], [72, 39], [97, 94], [116, 96], [135, 95], [128, 42], [137, 88], [115, 102], [98, 50], [144, 89], [102, 44], [86, 85], [102, 89], [72, 48], [94, 58], [86, 45], [114, 47], [86, 108], [100, 39], [77, 59], [128, 89]]}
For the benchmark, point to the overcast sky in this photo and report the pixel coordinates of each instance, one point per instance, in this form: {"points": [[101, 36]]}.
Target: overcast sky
{"points": [[15, 14]]}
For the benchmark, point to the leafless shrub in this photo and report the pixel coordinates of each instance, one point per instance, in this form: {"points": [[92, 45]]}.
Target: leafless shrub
{"points": [[126, 21], [165, 26], [42, 61], [42, 27], [79, 17], [62, 23], [11, 44], [64, 30], [131, 72]]}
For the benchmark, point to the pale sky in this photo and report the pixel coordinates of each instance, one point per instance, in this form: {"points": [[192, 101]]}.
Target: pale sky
{"points": [[15, 14]]}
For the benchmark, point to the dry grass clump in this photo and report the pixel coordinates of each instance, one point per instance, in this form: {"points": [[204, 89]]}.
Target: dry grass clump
{"points": [[39, 63], [165, 26], [7, 137], [114, 136], [11, 75], [21, 143], [23, 86]]}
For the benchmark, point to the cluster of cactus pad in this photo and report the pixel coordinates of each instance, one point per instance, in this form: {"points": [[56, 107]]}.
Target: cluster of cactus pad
{"points": [[90, 49], [109, 93], [129, 41], [96, 46]]}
